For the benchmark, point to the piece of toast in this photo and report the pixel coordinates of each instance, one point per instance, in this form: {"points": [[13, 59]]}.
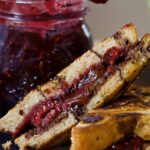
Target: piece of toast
{"points": [[127, 70], [129, 115]]}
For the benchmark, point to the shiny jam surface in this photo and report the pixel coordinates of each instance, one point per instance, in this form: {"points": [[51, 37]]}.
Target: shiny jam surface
{"points": [[34, 48]]}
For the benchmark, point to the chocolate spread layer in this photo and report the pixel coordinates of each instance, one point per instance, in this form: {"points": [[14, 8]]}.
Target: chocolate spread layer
{"points": [[92, 119]]}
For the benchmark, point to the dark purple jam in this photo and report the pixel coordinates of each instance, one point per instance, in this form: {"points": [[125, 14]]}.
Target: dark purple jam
{"points": [[34, 48]]}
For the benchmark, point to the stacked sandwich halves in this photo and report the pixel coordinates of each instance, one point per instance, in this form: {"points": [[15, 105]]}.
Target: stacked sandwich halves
{"points": [[46, 115]]}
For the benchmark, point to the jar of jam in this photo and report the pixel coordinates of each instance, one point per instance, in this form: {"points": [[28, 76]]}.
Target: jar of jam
{"points": [[38, 38]]}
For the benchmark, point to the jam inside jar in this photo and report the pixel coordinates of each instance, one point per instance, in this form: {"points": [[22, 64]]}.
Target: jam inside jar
{"points": [[38, 38]]}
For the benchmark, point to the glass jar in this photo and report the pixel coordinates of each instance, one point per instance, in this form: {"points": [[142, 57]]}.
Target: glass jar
{"points": [[38, 38]]}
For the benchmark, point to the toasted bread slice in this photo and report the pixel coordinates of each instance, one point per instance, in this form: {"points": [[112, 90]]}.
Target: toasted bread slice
{"points": [[102, 127]]}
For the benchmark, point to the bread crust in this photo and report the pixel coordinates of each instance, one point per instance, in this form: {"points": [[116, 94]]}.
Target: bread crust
{"points": [[53, 136]]}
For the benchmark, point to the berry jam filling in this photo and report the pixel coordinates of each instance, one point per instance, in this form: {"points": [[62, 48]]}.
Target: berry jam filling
{"points": [[78, 94], [129, 143]]}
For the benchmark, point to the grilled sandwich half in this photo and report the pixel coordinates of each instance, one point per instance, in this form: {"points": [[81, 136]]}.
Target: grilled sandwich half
{"points": [[46, 115]]}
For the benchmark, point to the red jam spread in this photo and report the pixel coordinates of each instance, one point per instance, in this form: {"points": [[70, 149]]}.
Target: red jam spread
{"points": [[38, 39], [114, 54], [129, 143], [75, 97]]}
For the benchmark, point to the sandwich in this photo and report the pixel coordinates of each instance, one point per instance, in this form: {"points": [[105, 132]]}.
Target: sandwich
{"points": [[46, 115], [121, 125]]}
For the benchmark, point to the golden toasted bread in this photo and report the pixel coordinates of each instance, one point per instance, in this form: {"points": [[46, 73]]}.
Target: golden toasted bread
{"points": [[129, 115]]}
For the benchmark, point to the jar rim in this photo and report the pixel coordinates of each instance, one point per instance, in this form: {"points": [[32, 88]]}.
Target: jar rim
{"points": [[29, 1], [40, 7], [24, 1], [37, 1]]}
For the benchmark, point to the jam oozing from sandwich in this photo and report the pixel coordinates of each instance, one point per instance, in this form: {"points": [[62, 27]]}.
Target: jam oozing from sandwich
{"points": [[78, 94], [128, 143], [75, 97]]}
